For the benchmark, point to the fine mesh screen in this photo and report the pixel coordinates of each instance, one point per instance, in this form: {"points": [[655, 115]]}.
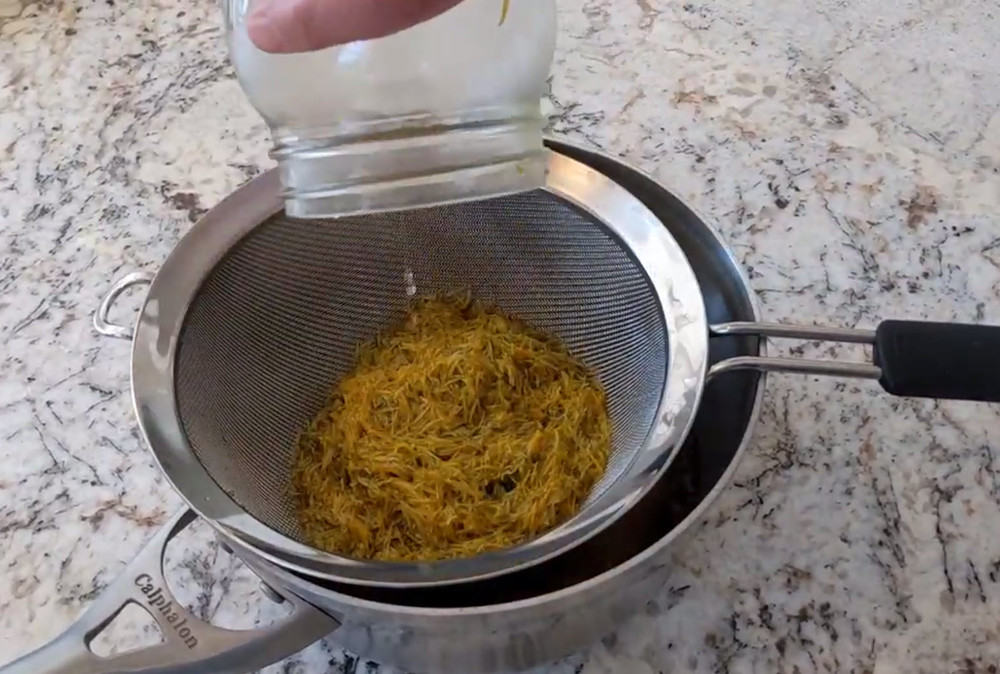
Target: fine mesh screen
{"points": [[278, 320]]}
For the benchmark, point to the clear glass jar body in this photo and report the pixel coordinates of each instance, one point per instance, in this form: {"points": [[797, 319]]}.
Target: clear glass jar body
{"points": [[447, 110]]}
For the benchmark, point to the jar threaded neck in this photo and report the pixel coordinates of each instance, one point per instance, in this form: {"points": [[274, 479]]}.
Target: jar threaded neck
{"points": [[411, 163]]}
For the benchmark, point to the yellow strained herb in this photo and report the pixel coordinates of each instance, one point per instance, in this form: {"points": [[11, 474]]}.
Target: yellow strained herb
{"points": [[462, 430]]}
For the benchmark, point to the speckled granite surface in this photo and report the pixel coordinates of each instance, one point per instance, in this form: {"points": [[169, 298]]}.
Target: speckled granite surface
{"points": [[849, 151]]}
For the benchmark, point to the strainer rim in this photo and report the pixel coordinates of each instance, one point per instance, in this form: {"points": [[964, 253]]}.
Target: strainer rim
{"points": [[195, 256]]}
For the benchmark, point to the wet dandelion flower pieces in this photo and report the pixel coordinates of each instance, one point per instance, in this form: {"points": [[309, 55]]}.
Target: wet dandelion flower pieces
{"points": [[460, 431]]}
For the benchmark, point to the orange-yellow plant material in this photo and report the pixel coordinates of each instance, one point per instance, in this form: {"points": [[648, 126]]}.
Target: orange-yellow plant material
{"points": [[461, 431]]}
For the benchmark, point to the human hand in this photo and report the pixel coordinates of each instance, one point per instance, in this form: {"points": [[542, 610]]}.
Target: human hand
{"points": [[288, 26]]}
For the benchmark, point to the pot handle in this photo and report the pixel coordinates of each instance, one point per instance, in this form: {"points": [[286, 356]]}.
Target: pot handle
{"points": [[911, 358], [102, 322], [190, 645]]}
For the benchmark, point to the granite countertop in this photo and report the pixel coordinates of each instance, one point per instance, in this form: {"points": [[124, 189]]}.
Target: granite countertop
{"points": [[849, 152]]}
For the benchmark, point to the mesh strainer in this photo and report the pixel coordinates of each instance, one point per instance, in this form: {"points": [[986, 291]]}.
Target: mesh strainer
{"points": [[254, 316]]}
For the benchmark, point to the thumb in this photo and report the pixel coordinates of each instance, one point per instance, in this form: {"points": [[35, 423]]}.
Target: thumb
{"points": [[288, 26]]}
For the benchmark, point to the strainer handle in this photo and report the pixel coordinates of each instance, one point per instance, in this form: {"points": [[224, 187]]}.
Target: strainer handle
{"points": [[102, 321], [795, 365], [190, 645], [948, 361]]}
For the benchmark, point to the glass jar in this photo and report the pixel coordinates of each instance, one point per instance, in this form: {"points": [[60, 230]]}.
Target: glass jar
{"points": [[447, 110]]}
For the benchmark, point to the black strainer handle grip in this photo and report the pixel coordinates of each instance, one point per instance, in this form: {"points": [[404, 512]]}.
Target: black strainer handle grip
{"points": [[939, 360]]}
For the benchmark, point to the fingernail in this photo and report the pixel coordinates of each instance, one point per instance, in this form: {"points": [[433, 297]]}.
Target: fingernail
{"points": [[264, 26]]}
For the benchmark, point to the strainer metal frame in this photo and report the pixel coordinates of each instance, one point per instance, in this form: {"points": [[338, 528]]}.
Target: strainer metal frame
{"points": [[161, 320]]}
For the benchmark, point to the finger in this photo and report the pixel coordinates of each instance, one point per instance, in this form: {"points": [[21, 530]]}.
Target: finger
{"points": [[287, 26]]}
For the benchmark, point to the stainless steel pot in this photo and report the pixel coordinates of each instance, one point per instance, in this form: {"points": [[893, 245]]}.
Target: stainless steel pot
{"points": [[513, 622]]}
